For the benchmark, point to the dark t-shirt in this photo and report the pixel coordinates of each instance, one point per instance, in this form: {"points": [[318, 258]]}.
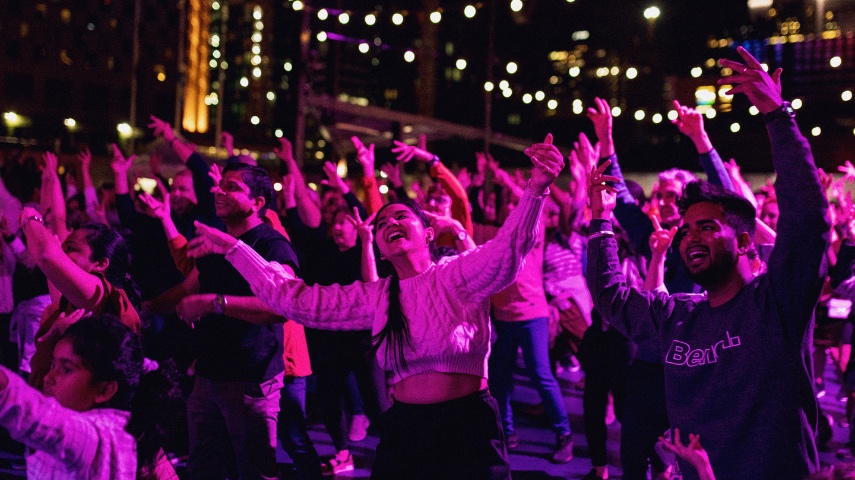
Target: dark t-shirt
{"points": [[230, 349]]}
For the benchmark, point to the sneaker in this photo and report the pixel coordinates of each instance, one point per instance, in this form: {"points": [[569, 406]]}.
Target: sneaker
{"points": [[358, 428], [592, 475], [512, 442], [563, 449], [337, 465]]}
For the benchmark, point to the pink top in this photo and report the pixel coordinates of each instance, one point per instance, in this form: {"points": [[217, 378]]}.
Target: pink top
{"points": [[446, 306], [524, 299], [69, 444]]}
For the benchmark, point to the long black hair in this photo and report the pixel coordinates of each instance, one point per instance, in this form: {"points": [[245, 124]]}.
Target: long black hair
{"points": [[113, 352], [106, 242], [396, 332]]}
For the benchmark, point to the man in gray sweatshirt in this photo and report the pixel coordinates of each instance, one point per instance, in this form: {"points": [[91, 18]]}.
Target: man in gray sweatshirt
{"points": [[737, 358]]}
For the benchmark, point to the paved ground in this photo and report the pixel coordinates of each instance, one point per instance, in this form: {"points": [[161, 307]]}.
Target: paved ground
{"points": [[530, 461]]}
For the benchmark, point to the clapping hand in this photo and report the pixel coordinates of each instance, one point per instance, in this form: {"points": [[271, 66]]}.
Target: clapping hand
{"points": [[848, 171], [62, 323]]}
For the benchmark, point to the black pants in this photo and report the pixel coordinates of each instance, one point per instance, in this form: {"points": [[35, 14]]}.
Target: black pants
{"points": [[644, 420], [459, 439], [334, 356], [605, 357]]}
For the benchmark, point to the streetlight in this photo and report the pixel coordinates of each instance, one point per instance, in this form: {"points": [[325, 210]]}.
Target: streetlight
{"points": [[652, 13]]}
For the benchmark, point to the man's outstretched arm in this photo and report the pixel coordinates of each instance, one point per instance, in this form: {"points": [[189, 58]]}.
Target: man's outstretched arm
{"points": [[795, 265]]}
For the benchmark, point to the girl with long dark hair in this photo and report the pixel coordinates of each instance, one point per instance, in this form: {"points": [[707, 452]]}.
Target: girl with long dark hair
{"points": [[430, 322]]}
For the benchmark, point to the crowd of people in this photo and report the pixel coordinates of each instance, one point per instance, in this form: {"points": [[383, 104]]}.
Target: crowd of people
{"points": [[185, 320]]}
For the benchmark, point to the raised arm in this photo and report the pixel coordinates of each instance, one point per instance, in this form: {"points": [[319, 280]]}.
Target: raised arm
{"points": [[351, 307], [41, 423], [795, 265], [363, 228], [489, 268], [638, 315], [365, 157], [81, 288], [460, 208], [52, 199], [90, 195], [690, 122], [308, 210]]}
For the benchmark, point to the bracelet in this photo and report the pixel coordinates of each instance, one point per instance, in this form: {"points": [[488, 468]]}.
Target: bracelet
{"points": [[601, 233], [34, 217], [433, 161]]}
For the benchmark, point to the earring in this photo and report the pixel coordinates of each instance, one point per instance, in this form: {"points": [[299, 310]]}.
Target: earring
{"points": [[382, 257]]}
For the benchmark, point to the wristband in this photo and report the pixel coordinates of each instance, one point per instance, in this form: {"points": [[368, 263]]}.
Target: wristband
{"points": [[220, 303], [601, 233], [34, 217], [433, 161], [784, 111]]}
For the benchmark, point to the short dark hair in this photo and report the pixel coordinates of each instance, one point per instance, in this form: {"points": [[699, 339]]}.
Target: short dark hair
{"points": [[738, 212], [258, 181]]}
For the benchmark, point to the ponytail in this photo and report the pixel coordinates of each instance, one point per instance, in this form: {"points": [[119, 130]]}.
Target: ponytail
{"points": [[396, 332]]}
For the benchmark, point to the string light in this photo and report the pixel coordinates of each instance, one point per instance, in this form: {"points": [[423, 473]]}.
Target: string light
{"points": [[469, 11], [435, 16], [323, 14], [397, 19], [516, 5], [460, 64]]}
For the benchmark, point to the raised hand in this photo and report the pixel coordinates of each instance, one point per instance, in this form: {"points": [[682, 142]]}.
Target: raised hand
{"points": [[333, 180], [154, 207], [49, 164], [62, 323], [660, 239], [209, 241], [285, 150], [120, 164], [228, 141], [693, 453], [216, 175], [547, 161], [848, 171], [405, 153], [161, 128], [364, 228], [603, 195], [443, 224], [762, 89], [365, 156], [825, 179], [601, 117], [689, 121], [85, 159], [393, 174], [289, 190]]}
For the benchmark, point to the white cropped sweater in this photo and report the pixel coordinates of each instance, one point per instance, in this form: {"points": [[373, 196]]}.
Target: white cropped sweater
{"points": [[446, 306]]}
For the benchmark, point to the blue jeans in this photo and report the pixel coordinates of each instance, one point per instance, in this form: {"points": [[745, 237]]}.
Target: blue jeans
{"points": [[291, 429], [533, 337]]}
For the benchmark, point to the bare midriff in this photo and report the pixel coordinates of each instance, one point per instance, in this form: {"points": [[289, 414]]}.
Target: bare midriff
{"points": [[436, 387]]}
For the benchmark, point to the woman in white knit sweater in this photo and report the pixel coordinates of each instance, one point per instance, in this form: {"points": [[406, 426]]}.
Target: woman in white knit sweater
{"points": [[431, 328]]}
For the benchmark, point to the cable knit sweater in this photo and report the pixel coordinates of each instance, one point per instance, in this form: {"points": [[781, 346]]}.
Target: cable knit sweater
{"points": [[69, 445], [446, 306]]}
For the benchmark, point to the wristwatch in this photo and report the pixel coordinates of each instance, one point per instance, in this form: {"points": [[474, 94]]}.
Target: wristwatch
{"points": [[220, 304], [784, 111]]}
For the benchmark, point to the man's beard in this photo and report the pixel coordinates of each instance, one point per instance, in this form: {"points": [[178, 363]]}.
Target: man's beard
{"points": [[716, 273]]}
